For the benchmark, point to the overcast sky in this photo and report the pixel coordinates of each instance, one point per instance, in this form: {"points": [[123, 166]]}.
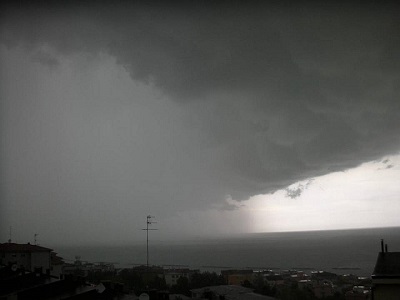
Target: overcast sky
{"points": [[201, 115]]}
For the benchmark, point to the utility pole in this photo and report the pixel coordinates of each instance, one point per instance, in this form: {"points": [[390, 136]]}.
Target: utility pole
{"points": [[149, 222], [35, 238]]}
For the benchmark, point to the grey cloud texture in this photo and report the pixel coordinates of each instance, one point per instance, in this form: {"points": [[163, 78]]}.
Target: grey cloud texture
{"points": [[268, 94]]}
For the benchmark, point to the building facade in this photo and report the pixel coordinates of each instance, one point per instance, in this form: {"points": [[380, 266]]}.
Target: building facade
{"points": [[172, 275], [386, 276], [26, 256]]}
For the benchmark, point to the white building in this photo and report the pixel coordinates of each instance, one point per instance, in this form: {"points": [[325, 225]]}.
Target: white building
{"points": [[172, 275], [26, 256]]}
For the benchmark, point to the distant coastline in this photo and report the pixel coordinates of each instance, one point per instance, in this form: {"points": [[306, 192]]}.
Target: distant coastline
{"points": [[342, 251]]}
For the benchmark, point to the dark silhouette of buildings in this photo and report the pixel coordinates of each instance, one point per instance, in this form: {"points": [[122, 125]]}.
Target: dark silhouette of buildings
{"points": [[386, 275]]}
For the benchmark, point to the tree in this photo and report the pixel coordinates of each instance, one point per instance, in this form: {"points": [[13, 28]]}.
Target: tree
{"points": [[181, 287], [199, 280]]}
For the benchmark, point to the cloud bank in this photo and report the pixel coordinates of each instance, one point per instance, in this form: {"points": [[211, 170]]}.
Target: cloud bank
{"points": [[267, 94]]}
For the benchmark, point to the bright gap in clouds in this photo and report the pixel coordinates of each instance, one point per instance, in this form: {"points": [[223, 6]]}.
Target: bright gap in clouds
{"points": [[362, 197]]}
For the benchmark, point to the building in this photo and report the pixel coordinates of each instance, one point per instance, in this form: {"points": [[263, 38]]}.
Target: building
{"points": [[57, 264], [305, 284], [323, 289], [23, 285], [358, 293], [274, 279], [172, 275], [237, 277], [26, 256], [386, 276]]}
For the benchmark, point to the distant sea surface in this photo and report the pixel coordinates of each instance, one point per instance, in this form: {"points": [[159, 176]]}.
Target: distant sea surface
{"points": [[338, 251]]}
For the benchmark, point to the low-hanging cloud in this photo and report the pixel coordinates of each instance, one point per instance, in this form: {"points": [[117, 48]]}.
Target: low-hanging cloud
{"points": [[276, 94]]}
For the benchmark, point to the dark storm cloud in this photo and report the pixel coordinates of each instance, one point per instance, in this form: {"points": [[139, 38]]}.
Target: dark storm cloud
{"points": [[279, 93]]}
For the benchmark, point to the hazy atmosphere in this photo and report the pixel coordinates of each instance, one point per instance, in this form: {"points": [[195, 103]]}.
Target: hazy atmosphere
{"points": [[217, 119]]}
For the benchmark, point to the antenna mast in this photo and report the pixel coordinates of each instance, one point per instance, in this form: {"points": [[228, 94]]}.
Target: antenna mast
{"points": [[149, 222]]}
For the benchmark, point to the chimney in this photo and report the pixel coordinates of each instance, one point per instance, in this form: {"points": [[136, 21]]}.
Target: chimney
{"points": [[382, 250]]}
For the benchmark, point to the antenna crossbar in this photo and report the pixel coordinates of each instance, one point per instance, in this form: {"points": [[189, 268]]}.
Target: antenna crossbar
{"points": [[149, 221]]}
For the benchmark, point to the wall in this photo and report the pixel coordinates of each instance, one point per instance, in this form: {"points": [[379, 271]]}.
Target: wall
{"points": [[386, 292], [21, 259], [40, 259], [172, 278]]}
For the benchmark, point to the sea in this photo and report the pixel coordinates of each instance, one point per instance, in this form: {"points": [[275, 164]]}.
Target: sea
{"points": [[352, 251]]}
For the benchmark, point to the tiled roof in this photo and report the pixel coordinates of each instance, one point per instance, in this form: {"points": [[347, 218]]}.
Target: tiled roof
{"points": [[232, 292], [387, 265], [13, 247], [224, 289]]}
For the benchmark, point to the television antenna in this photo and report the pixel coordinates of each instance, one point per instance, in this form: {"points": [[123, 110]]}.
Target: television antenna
{"points": [[149, 221]]}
